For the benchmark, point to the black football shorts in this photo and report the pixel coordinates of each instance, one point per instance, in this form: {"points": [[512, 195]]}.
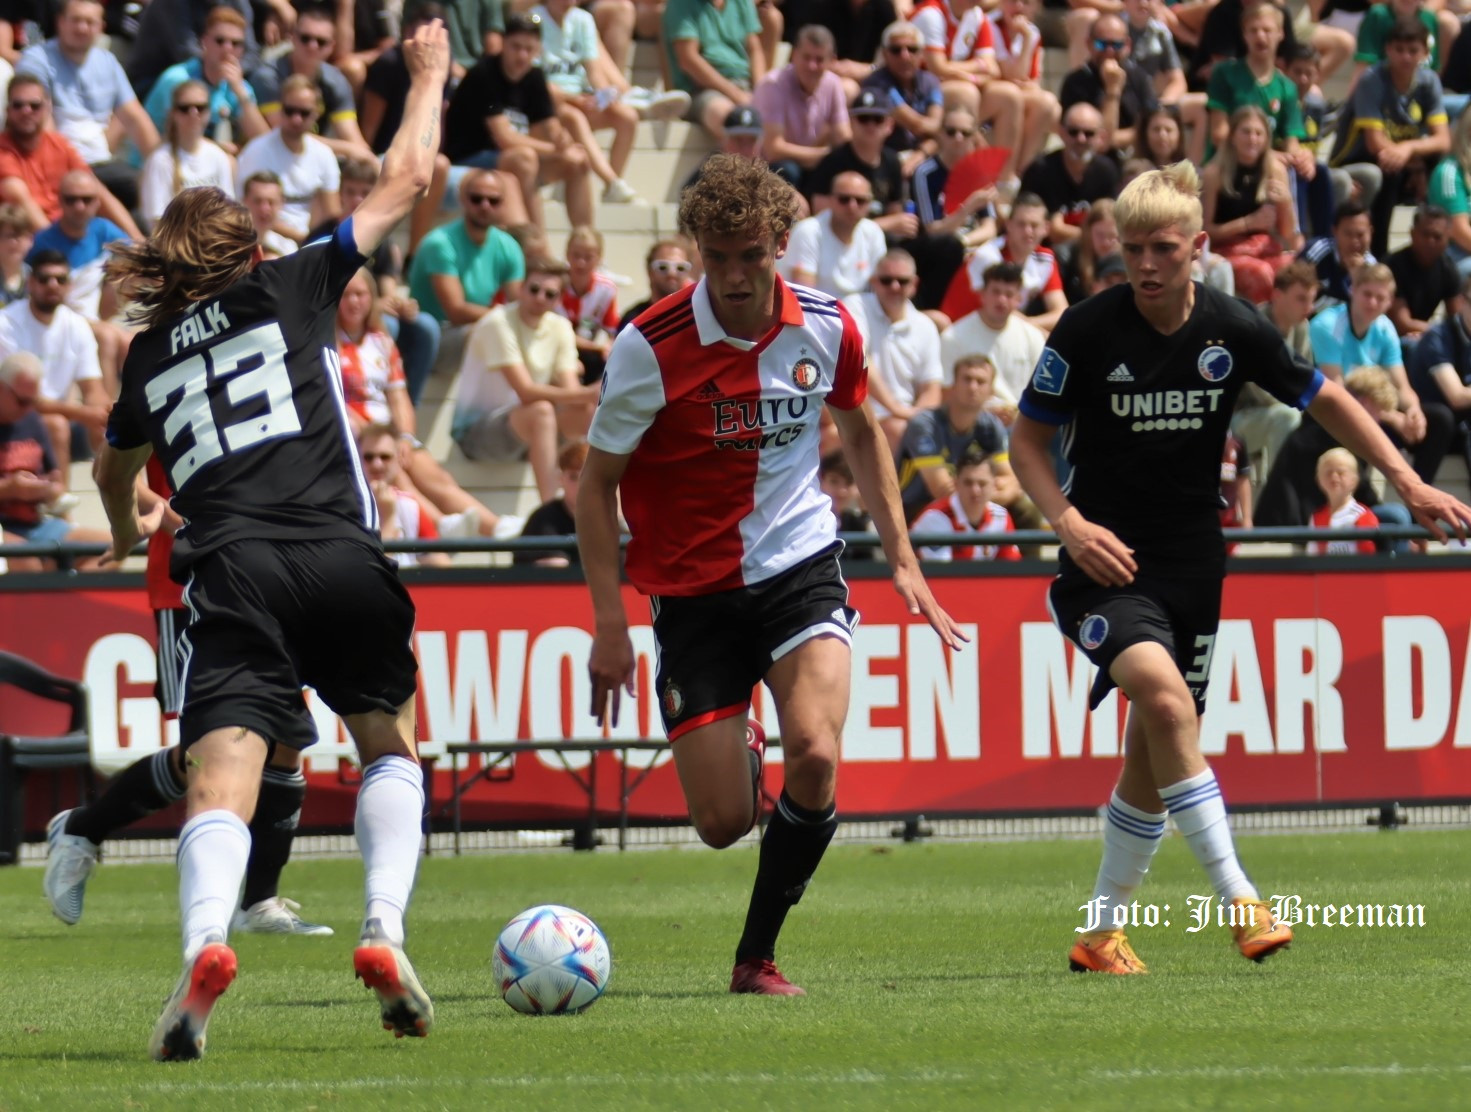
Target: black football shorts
{"points": [[1182, 613], [268, 618], [168, 687], [714, 649]]}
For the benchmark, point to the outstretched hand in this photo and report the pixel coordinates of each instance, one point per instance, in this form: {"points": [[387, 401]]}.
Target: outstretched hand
{"points": [[427, 53], [1434, 509], [610, 666], [916, 594]]}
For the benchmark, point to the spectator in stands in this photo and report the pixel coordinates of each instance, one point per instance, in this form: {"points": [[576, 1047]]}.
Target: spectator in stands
{"points": [[1336, 257], [903, 345], [1161, 138], [1395, 121], [1111, 83], [460, 267], [835, 478], [82, 237], [802, 107], [1442, 28], [1249, 214], [669, 270], [1079, 261], [1017, 44], [15, 245], [974, 219], [263, 198], [1449, 189], [89, 92], [312, 43], [305, 164], [476, 29], [1349, 337], [416, 334], [232, 119], [866, 153], [858, 28], [33, 158], [1441, 366], [71, 386], [32, 480], [375, 390], [186, 158], [959, 51], [1337, 474], [557, 518], [1260, 419], [1043, 296], [502, 118], [1290, 495], [1069, 180], [1236, 479], [1221, 39], [169, 33], [572, 48], [999, 332], [520, 381], [837, 250], [589, 300], [401, 514], [714, 53], [364, 32], [1152, 49], [1424, 276], [1302, 68], [914, 93], [937, 439], [967, 509], [588, 92]]}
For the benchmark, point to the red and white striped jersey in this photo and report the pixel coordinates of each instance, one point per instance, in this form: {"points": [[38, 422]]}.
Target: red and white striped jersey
{"points": [[1353, 515], [947, 515], [369, 370], [1025, 44], [598, 304], [1040, 275], [938, 29], [721, 488]]}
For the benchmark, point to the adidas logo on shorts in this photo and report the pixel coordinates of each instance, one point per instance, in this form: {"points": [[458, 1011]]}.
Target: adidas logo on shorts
{"points": [[1120, 374]]}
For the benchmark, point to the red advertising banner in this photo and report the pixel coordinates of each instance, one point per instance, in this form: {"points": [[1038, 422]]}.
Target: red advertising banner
{"points": [[1326, 686]]}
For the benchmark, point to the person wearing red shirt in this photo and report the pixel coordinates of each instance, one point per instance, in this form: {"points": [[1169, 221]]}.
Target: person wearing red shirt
{"points": [[969, 509], [1338, 478]]}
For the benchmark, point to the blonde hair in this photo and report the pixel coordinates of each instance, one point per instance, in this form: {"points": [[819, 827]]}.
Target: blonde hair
{"points": [[1340, 457], [585, 235], [171, 126], [373, 322], [1373, 384], [202, 244], [1159, 199], [1226, 157], [1371, 274], [300, 82]]}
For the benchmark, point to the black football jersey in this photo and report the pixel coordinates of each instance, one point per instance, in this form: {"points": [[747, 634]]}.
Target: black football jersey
{"points": [[1145, 415], [241, 399]]}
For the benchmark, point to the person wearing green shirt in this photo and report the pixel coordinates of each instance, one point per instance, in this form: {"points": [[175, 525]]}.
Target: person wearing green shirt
{"points": [[475, 28], [460, 267], [1380, 18], [714, 53], [1448, 188]]}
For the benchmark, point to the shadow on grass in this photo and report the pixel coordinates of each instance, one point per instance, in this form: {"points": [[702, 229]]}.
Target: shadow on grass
{"points": [[131, 1055]]}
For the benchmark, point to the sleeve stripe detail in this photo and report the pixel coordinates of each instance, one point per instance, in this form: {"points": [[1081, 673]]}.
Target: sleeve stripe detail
{"points": [[1312, 390], [666, 326], [1041, 413]]}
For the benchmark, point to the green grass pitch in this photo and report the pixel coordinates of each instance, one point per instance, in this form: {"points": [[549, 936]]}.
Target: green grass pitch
{"points": [[937, 976]]}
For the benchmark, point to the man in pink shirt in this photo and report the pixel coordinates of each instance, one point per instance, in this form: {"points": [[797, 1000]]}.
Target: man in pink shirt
{"points": [[802, 107]]}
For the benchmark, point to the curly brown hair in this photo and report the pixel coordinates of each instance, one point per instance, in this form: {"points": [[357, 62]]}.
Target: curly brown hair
{"points": [[737, 196], [203, 244]]}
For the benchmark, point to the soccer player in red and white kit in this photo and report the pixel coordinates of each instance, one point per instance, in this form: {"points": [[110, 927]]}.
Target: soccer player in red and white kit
{"points": [[709, 426]]}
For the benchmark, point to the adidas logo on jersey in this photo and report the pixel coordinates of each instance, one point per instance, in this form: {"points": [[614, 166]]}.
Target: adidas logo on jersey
{"points": [[708, 391], [1120, 374]]}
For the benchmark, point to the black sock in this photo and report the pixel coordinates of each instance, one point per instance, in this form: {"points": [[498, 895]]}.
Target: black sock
{"points": [[145, 786], [795, 841], [272, 831]]}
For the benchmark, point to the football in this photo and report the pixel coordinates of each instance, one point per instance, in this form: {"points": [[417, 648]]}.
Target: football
{"points": [[551, 960]]}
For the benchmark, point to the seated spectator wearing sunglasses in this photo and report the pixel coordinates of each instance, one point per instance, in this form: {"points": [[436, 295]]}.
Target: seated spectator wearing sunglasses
{"points": [[310, 178], [231, 98], [1111, 83], [914, 93], [669, 269]]}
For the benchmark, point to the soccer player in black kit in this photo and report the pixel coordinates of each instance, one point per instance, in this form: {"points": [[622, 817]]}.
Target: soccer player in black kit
{"points": [[1142, 380], [235, 385]]}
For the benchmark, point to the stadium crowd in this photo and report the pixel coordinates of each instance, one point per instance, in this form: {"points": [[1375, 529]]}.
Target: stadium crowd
{"points": [[954, 203]]}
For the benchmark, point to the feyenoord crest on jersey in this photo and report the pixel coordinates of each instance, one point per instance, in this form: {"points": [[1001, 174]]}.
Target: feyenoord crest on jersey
{"points": [[805, 374], [673, 700]]}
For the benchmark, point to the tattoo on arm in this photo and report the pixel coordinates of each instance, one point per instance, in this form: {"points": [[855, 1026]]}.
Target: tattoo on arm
{"points": [[427, 138]]}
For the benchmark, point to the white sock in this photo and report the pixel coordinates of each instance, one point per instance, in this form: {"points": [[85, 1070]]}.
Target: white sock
{"points": [[1130, 837], [213, 849], [389, 828], [1200, 815]]}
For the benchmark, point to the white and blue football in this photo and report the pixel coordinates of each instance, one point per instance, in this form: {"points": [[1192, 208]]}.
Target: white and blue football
{"points": [[551, 960]]}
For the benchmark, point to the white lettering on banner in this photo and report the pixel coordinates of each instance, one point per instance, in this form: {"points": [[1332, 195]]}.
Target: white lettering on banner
{"points": [[1236, 702], [468, 707], [862, 740], [554, 654], [1405, 639], [1056, 680], [1308, 653], [109, 714], [944, 695]]}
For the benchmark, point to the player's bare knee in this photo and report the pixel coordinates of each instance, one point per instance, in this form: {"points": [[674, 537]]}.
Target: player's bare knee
{"points": [[719, 829], [1164, 708]]}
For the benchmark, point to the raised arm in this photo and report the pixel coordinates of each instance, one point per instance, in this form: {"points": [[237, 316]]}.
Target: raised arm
{"points": [[408, 166]]}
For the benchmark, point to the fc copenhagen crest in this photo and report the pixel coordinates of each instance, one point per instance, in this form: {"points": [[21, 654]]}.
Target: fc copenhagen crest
{"points": [[805, 374], [1214, 363], [1093, 631]]}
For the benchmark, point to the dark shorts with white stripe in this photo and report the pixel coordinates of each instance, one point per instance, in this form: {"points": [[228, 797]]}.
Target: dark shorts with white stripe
{"points": [[267, 618], [714, 649], [168, 687]]}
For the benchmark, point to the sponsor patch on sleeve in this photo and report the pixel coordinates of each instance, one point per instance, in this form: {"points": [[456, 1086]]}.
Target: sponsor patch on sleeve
{"points": [[1051, 373]]}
